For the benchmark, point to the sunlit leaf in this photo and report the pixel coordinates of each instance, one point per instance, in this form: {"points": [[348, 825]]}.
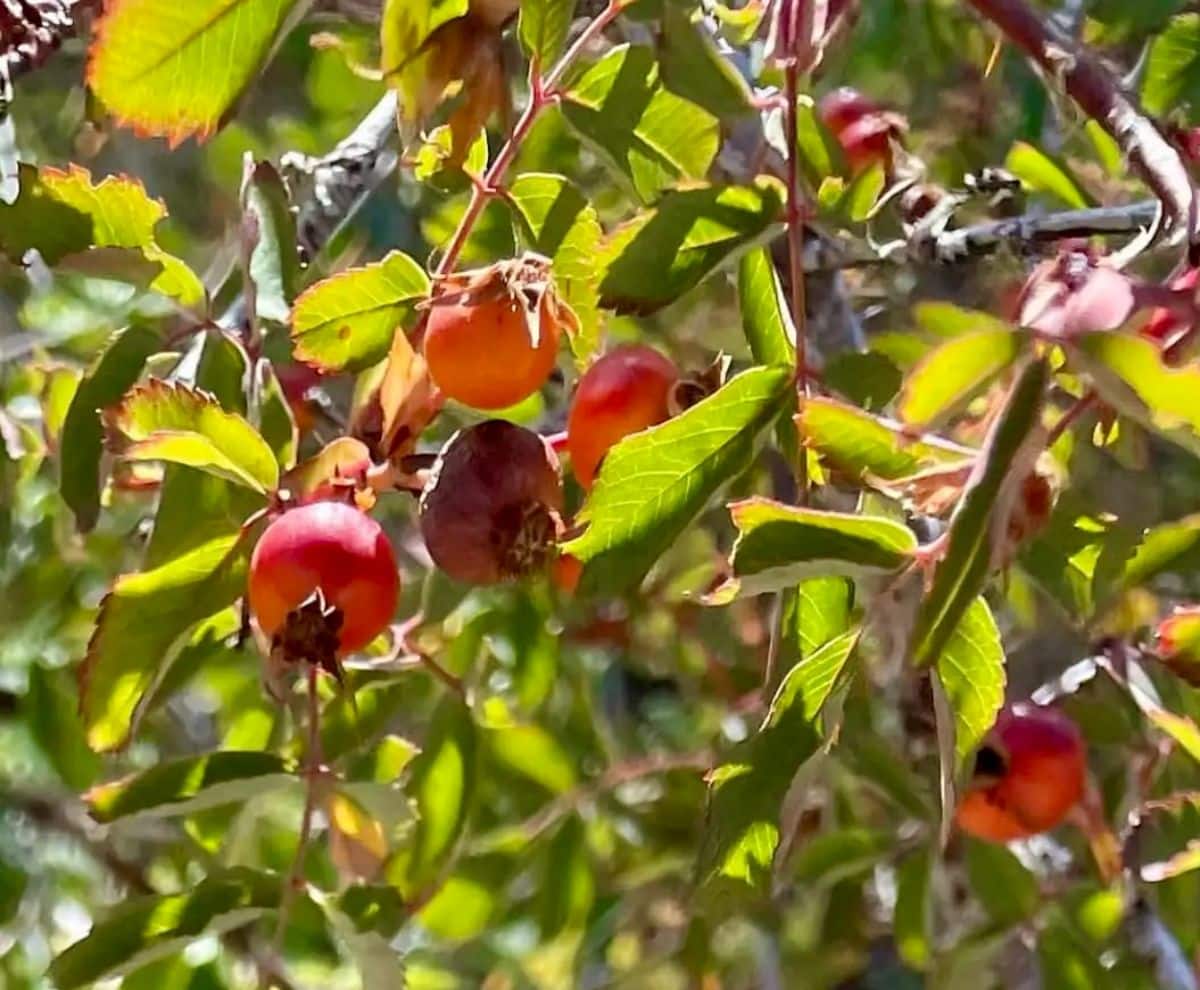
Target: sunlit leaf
{"points": [[654, 483], [142, 620], [543, 28], [1172, 73], [346, 322], [1041, 173], [971, 669], [693, 68], [163, 422], [176, 69], [951, 375], [1129, 373]]}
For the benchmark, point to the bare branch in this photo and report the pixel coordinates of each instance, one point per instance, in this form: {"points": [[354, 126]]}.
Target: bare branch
{"points": [[1086, 80]]}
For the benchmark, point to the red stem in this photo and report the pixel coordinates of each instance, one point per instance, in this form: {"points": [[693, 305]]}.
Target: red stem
{"points": [[541, 94], [795, 238], [1099, 95]]}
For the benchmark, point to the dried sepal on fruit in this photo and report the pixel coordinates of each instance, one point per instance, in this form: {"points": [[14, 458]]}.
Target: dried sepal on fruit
{"points": [[1028, 775], [490, 511], [492, 334]]}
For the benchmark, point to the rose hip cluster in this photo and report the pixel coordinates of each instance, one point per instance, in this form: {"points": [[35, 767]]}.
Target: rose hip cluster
{"points": [[323, 577]]}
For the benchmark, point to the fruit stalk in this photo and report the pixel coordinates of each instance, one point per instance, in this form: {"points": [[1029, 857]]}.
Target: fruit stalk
{"points": [[795, 237]]}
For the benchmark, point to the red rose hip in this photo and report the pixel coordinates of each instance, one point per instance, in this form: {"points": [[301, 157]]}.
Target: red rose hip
{"points": [[337, 549], [625, 391], [1028, 775]]}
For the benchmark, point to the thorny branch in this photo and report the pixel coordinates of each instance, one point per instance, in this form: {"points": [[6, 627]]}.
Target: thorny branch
{"points": [[1086, 80]]}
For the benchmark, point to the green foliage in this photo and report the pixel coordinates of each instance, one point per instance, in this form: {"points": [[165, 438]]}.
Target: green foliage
{"points": [[702, 741]]}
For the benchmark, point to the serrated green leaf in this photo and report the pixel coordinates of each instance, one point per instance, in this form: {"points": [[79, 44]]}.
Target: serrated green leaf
{"points": [[694, 69], [971, 669], [765, 316], [176, 69], [779, 545], [346, 322], [562, 225], [194, 506], [660, 254], [442, 783], [1007, 456], [1041, 173], [268, 242], [654, 483], [178, 425], [648, 135], [1172, 74], [149, 928], [863, 446], [82, 434], [543, 28], [142, 620], [949, 376], [184, 786], [63, 214], [1129, 372]]}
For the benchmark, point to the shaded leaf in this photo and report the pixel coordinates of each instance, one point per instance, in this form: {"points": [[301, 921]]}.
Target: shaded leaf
{"points": [[173, 423], [659, 255], [276, 422], [268, 242], [187, 785], [647, 134], [692, 67], [839, 855], [811, 681], [346, 322], [442, 783], [778, 545], [142, 620], [913, 917], [654, 483], [176, 69], [951, 375], [82, 435], [1005, 888], [406, 26], [982, 514], [148, 928]]}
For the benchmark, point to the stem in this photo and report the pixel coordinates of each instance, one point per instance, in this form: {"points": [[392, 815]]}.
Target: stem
{"points": [[1082, 405], [795, 238], [312, 769], [541, 95]]}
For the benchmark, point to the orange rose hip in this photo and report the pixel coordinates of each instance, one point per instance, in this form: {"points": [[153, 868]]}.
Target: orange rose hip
{"points": [[625, 391]]}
